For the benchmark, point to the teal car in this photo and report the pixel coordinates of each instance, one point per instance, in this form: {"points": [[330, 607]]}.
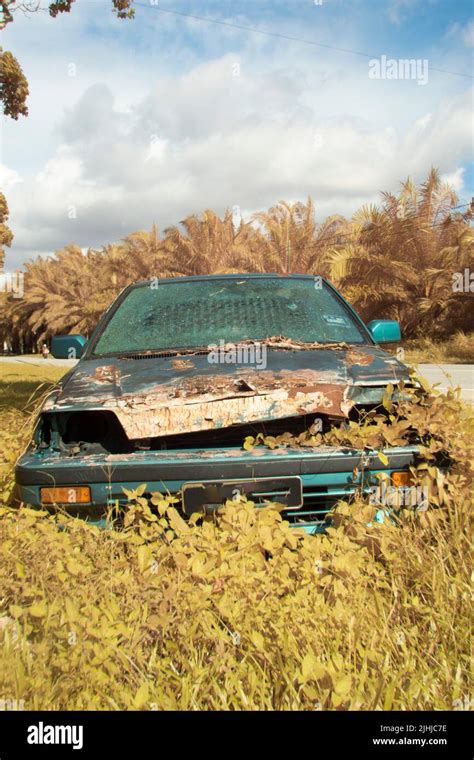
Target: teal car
{"points": [[179, 372]]}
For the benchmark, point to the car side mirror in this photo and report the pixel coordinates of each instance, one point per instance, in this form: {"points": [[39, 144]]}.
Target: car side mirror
{"points": [[68, 346], [385, 330]]}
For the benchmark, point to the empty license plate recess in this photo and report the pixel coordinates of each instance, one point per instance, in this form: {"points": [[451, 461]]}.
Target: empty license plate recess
{"points": [[287, 491]]}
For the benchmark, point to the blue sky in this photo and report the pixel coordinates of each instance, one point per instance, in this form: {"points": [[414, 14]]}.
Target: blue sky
{"points": [[145, 121]]}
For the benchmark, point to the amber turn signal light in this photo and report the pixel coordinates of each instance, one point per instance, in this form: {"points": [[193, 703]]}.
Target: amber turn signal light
{"points": [[401, 479], [66, 495]]}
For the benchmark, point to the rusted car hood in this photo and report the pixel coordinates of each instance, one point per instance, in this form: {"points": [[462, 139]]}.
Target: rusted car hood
{"points": [[167, 395]]}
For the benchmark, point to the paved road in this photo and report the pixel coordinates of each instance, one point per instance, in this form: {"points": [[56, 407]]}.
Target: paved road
{"points": [[39, 360], [448, 375]]}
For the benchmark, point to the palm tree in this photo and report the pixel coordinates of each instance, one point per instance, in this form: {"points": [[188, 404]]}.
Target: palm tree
{"points": [[61, 295], [399, 259], [208, 244], [395, 260], [139, 256], [70, 290], [292, 241]]}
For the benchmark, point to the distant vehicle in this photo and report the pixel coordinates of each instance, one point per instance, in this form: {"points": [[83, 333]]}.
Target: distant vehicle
{"points": [[180, 371]]}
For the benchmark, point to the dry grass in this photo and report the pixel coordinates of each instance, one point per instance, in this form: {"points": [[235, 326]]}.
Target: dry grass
{"points": [[459, 349], [244, 613], [21, 383]]}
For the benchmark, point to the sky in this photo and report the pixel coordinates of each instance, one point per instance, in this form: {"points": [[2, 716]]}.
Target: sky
{"points": [[145, 121]]}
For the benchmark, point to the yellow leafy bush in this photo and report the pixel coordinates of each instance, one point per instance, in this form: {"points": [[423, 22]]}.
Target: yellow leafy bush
{"points": [[241, 611]]}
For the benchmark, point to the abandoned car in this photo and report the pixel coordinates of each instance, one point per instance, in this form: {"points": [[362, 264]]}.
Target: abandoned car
{"points": [[179, 372]]}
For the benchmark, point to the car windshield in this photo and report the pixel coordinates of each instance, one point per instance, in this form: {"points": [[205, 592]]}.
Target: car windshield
{"points": [[199, 313]]}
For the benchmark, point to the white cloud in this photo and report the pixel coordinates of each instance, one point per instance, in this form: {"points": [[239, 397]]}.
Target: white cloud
{"points": [[423, 121], [456, 179], [398, 8], [123, 145], [464, 32], [108, 177], [468, 34], [8, 177]]}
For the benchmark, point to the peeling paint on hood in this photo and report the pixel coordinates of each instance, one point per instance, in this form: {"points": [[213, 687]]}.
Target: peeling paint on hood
{"points": [[157, 397]]}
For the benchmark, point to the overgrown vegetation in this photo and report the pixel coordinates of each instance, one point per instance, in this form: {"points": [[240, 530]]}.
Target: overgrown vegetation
{"points": [[23, 384], [458, 349], [406, 260], [244, 612]]}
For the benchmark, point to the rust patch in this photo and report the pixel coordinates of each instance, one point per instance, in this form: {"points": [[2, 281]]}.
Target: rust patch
{"points": [[205, 403], [358, 357], [108, 373], [190, 403], [182, 364], [253, 382]]}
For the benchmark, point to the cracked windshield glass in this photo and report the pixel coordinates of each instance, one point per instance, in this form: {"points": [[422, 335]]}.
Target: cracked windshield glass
{"points": [[199, 314]]}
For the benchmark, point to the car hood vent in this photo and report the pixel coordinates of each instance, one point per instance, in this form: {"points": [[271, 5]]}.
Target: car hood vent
{"points": [[163, 355]]}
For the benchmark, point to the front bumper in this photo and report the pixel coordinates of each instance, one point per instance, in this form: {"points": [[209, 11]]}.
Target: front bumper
{"points": [[327, 474]]}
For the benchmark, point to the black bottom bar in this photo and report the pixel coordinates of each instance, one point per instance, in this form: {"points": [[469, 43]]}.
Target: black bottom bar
{"points": [[155, 734]]}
